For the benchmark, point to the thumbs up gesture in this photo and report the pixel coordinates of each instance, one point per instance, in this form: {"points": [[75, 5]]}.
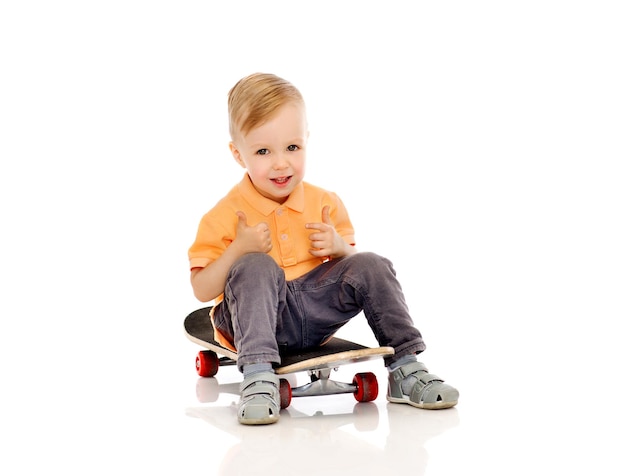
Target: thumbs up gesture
{"points": [[252, 239], [326, 242]]}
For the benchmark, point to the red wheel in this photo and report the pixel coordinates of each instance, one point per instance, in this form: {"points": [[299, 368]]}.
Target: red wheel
{"points": [[366, 387], [207, 363], [285, 393]]}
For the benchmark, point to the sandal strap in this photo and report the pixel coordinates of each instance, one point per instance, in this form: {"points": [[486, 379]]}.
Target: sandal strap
{"points": [[407, 369], [418, 370], [261, 383]]}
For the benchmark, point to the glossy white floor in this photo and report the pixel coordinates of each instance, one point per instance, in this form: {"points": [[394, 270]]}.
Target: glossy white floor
{"points": [[91, 394], [478, 145]]}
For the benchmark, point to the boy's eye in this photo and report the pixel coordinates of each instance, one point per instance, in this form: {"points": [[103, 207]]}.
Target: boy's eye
{"points": [[262, 152], [292, 147]]}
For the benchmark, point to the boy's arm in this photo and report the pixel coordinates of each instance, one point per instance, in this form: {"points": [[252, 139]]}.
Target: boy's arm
{"points": [[209, 282]]}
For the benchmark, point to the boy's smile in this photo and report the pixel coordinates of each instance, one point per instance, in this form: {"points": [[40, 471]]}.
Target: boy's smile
{"points": [[274, 153], [281, 180]]}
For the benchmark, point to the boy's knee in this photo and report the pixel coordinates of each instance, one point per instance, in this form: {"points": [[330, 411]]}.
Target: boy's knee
{"points": [[370, 264], [256, 264], [369, 260]]}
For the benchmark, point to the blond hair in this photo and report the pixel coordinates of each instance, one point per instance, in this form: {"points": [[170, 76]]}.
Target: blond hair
{"points": [[255, 98]]}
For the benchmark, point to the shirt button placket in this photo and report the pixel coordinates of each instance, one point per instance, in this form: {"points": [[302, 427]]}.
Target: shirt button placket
{"points": [[285, 244]]}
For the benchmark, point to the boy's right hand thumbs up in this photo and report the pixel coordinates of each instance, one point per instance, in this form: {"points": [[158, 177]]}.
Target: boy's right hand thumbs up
{"points": [[253, 239]]}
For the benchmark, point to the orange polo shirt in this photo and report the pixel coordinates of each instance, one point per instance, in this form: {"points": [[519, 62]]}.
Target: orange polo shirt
{"points": [[290, 238]]}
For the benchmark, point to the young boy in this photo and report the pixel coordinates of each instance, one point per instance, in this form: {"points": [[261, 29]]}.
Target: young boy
{"points": [[277, 255]]}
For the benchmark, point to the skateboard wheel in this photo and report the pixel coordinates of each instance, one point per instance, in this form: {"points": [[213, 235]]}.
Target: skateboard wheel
{"points": [[366, 387], [207, 363], [285, 393]]}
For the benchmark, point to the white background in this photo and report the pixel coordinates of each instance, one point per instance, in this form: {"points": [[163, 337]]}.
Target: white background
{"points": [[478, 145]]}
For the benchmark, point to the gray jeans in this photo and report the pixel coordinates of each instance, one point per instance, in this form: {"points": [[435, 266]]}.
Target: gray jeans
{"points": [[263, 314]]}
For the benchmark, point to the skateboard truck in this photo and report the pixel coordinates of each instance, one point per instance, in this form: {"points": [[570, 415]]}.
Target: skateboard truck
{"points": [[321, 384]]}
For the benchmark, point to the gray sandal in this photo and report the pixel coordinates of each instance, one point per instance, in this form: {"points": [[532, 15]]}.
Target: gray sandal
{"points": [[428, 392], [260, 399]]}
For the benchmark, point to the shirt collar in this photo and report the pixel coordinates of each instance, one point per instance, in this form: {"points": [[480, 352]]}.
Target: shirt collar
{"points": [[266, 206]]}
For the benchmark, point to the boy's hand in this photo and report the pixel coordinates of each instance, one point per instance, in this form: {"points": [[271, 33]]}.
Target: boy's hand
{"points": [[326, 241], [253, 239]]}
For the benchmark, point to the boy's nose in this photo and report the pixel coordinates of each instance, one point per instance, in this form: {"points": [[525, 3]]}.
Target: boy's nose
{"points": [[280, 162]]}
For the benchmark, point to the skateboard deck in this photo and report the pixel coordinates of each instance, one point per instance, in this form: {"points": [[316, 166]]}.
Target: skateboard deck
{"points": [[318, 361]]}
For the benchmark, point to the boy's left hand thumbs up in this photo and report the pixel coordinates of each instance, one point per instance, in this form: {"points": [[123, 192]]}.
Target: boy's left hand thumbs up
{"points": [[324, 240]]}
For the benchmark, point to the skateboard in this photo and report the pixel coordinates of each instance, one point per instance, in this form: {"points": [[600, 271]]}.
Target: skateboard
{"points": [[318, 362]]}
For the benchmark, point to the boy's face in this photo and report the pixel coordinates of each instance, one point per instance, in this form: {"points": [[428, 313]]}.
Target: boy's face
{"points": [[274, 153]]}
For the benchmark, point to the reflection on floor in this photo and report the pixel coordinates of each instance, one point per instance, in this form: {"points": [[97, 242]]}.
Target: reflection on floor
{"points": [[332, 431]]}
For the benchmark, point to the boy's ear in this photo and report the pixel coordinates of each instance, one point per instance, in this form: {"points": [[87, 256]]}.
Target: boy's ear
{"points": [[235, 151]]}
